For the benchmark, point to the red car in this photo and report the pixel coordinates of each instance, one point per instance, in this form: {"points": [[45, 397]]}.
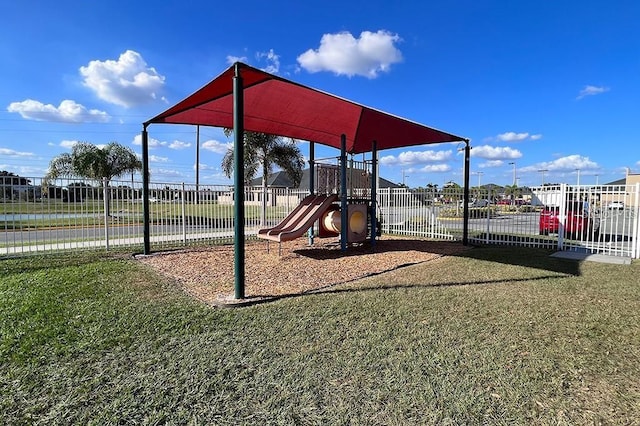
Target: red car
{"points": [[579, 224]]}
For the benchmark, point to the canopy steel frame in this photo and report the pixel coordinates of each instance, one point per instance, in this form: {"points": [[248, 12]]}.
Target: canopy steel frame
{"points": [[307, 114]]}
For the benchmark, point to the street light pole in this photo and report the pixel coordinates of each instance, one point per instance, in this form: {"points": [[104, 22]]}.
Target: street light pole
{"points": [[543, 172], [578, 182], [513, 163]]}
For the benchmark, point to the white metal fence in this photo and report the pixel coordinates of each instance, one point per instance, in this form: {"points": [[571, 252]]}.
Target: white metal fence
{"points": [[38, 216]]}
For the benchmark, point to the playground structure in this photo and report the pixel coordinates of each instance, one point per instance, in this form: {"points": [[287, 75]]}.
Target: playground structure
{"points": [[249, 99], [324, 210]]}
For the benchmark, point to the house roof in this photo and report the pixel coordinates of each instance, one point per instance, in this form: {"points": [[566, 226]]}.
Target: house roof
{"points": [[282, 107], [281, 179], [617, 182]]}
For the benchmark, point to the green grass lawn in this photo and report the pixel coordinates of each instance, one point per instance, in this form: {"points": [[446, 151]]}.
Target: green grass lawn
{"points": [[495, 336]]}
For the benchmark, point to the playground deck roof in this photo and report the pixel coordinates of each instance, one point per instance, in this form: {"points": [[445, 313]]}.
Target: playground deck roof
{"points": [[282, 107]]}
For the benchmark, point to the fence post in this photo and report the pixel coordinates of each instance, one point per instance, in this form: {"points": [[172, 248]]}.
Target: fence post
{"points": [[105, 199], [562, 215], [635, 248], [184, 216], [488, 223]]}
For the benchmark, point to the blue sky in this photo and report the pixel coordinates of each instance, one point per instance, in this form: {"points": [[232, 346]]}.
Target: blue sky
{"points": [[544, 85]]}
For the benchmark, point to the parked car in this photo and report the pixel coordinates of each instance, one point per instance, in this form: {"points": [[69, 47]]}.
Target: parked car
{"points": [[615, 205], [517, 202], [480, 203], [579, 224], [476, 203]]}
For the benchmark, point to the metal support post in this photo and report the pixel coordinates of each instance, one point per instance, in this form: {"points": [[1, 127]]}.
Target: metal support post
{"points": [[238, 167], [145, 191], [374, 189], [311, 182], [344, 216], [465, 225]]}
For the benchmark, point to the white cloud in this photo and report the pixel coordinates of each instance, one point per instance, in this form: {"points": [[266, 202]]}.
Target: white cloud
{"points": [[68, 144], [179, 145], [205, 167], [216, 178], [515, 137], [24, 171], [158, 159], [233, 59], [407, 158], [564, 164], [152, 143], [591, 91], [512, 137], [14, 154], [165, 173], [343, 54], [216, 146], [495, 152], [155, 143], [491, 163], [435, 168], [126, 82], [273, 61], [67, 112]]}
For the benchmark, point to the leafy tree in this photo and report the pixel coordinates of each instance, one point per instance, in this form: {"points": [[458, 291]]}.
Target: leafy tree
{"points": [[89, 161], [264, 151], [513, 192]]}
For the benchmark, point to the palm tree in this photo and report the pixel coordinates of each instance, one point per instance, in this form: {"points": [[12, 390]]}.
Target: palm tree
{"points": [[452, 191], [262, 150], [513, 192], [92, 162]]}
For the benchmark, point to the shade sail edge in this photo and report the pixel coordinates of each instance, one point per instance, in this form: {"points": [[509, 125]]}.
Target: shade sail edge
{"points": [[294, 110]]}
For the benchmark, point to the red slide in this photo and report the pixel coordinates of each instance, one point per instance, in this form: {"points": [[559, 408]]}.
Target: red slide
{"points": [[300, 219]]}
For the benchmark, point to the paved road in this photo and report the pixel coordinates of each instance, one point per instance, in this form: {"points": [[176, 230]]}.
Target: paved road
{"points": [[44, 240]]}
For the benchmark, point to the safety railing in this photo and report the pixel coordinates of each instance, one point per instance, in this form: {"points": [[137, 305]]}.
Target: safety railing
{"points": [[38, 216]]}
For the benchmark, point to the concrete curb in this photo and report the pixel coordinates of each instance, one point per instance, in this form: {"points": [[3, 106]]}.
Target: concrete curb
{"points": [[590, 257]]}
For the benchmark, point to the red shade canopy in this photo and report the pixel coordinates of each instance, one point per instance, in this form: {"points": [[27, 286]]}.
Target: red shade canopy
{"points": [[281, 107]]}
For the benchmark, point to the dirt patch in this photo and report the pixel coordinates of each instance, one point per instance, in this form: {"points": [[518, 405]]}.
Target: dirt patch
{"points": [[208, 273]]}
